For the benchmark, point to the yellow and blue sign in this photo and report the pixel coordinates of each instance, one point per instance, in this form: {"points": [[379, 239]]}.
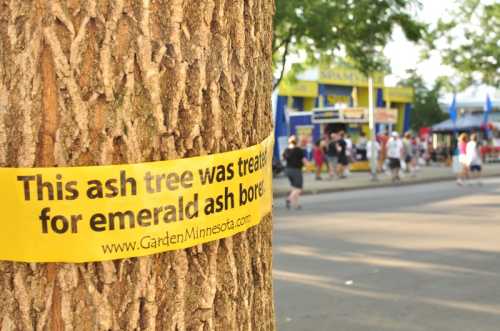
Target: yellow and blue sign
{"points": [[348, 77], [399, 94], [305, 89]]}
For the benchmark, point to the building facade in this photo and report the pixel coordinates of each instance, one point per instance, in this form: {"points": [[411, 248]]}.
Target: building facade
{"points": [[336, 99]]}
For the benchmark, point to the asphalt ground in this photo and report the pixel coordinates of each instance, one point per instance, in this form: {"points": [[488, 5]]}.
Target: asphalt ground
{"points": [[409, 258]]}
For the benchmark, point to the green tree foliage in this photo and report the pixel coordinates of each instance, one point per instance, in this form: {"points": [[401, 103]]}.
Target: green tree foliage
{"points": [[427, 111], [356, 29], [469, 42]]}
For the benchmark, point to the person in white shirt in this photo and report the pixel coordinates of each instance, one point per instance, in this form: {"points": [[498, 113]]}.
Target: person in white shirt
{"points": [[473, 156], [395, 150], [369, 150], [362, 146], [375, 154], [349, 153], [349, 145]]}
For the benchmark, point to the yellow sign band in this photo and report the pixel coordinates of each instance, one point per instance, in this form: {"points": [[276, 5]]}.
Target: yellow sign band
{"points": [[97, 213]]}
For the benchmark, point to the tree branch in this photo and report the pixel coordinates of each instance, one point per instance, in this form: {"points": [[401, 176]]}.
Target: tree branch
{"points": [[283, 62], [281, 44]]}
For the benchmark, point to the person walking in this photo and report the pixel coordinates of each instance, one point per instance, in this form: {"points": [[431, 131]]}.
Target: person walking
{"points": [[349, 154], [395, 152], [319, 157], [295, 160], [343, 160], [375, 155], [474, 158], [362, 146], [408, 152], [332, 155], [463, 173], [382, 139], [417, 154]]}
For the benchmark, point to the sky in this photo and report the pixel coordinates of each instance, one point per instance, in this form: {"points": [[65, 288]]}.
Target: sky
{"points": [[404, 55]]}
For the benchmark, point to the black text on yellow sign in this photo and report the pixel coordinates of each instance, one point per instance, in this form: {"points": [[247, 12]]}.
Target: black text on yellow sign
{"points": [[84, 214]]}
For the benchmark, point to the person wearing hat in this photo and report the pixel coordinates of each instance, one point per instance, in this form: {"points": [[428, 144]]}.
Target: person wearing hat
{"points": [[295, 159], [395, 152]]}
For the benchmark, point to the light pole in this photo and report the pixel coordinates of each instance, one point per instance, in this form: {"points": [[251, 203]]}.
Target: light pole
{"points": [[371, 118]]}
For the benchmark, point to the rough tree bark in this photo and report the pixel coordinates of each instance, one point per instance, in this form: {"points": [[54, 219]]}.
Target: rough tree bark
{"points": [[91, 82]]}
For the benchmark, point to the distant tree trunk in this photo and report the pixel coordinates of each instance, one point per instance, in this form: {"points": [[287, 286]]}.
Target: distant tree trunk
{"points": [[88, 82]]}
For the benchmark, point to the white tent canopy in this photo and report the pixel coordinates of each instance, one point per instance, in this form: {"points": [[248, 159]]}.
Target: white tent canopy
{"points": [[473, 98]]}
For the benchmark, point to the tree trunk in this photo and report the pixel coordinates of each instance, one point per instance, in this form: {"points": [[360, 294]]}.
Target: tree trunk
{"points": [[94, 82]]}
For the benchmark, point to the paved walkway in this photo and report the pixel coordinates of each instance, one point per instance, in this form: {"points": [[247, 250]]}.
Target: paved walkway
{"points": [[362, 180], [412, 258]]}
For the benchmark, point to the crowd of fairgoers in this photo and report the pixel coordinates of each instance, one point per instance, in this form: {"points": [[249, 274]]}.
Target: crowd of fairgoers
{"points": [[332, 157]]}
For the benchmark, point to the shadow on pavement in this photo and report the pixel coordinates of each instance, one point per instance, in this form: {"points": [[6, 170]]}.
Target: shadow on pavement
{"points": [[352, 269]]}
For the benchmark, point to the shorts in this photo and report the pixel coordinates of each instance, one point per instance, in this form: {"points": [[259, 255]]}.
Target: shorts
{"points": [[462, 158], [332, 161], [394, 163], [475, 168], [295, 176], [408, 159], [343, 160]]}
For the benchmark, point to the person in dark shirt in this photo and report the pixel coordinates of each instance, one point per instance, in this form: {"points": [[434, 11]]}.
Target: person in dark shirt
{"points": [[332, 155], [295, 160], [342, 155]]}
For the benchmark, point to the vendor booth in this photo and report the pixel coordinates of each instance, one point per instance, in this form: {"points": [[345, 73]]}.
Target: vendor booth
{"points": [[477, 110], [335, 99], [489, 134]]}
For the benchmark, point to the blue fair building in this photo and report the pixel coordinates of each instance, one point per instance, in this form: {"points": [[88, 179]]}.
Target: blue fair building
{"points": [[331, 99]]}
